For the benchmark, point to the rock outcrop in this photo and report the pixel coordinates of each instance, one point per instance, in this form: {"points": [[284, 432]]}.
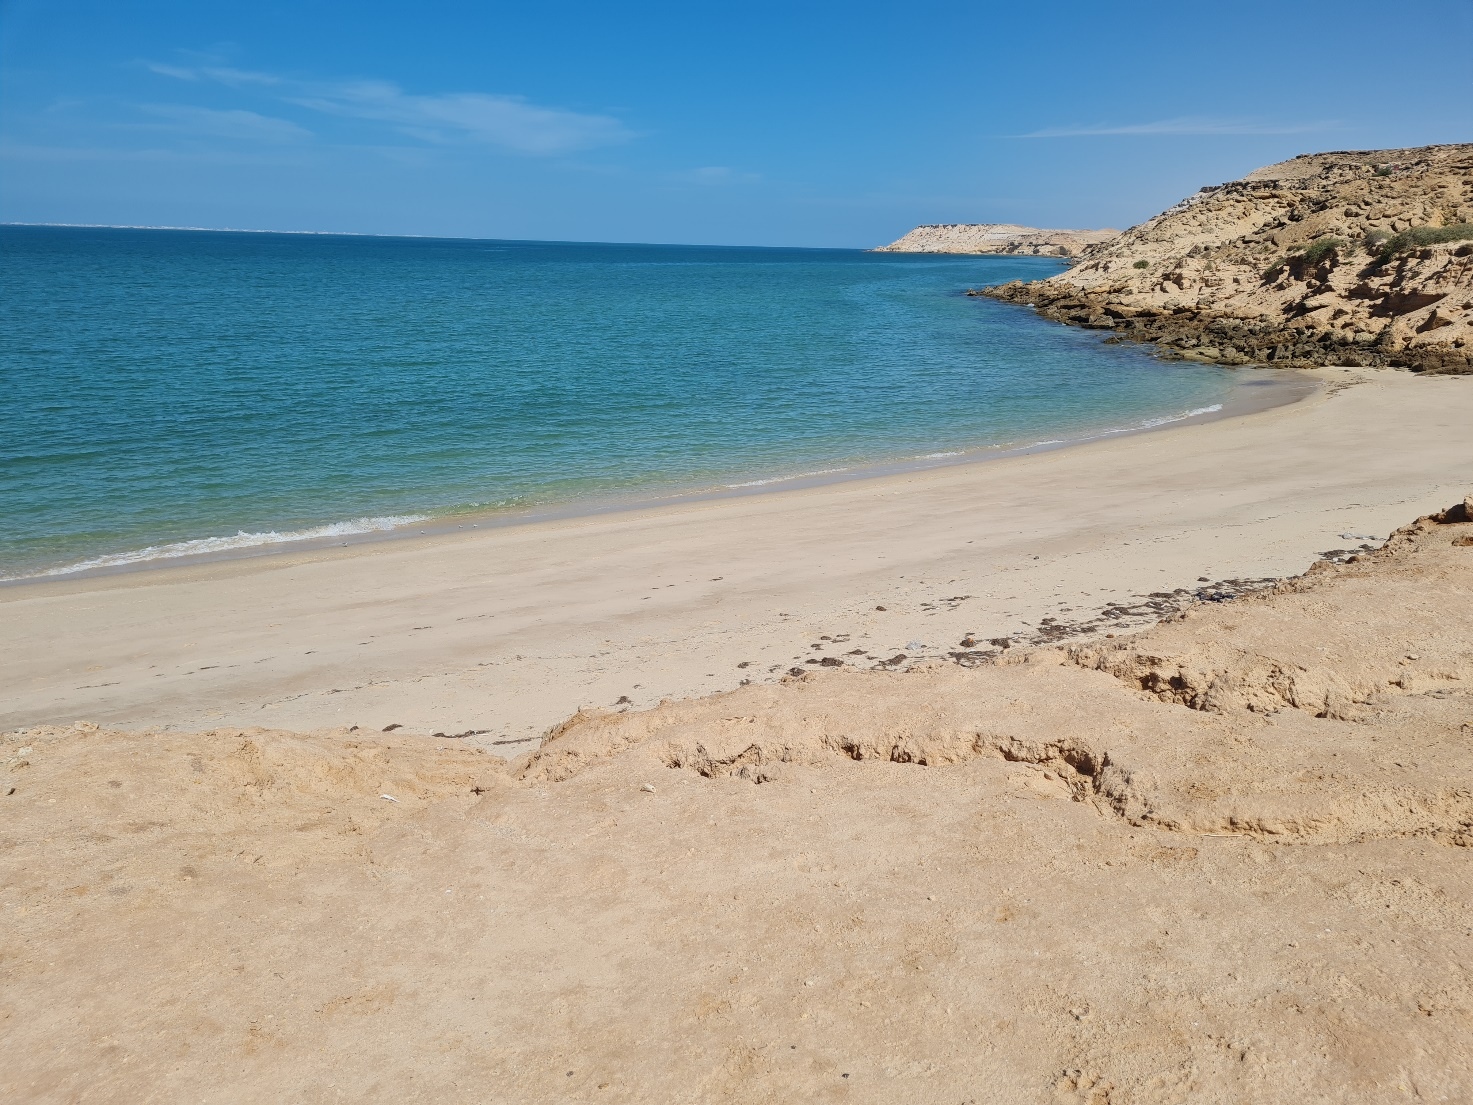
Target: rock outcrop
{"points": [[1357, 258], [997, 238]]}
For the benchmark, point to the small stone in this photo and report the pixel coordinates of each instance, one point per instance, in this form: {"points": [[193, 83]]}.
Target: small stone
{"points": [[648, 788]]}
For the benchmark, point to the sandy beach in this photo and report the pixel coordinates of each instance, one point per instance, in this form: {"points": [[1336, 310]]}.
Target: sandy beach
{"points": [[1220, 859], [504, 633], [511, 595]]}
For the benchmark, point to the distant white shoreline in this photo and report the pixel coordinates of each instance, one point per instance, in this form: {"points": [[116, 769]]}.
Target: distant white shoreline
{"points": [[424, 237], [249, 230]]}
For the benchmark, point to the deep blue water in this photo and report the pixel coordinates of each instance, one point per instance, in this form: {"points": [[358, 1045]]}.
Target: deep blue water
{"points": [[176, 386]]}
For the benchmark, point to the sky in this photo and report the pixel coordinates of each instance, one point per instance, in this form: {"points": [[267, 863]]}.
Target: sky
{"points": [[751, 123]]}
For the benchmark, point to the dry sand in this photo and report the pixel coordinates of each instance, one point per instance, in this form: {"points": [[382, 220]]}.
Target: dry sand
{"points": [[1223, 860], [510, 631]]}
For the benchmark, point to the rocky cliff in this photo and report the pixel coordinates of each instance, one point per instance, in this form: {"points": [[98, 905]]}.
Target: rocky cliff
{"points": [[997, 238], [1361, 258]]}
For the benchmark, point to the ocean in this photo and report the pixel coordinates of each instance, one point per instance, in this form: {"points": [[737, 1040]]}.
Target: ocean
{"points": [[173, 392]]}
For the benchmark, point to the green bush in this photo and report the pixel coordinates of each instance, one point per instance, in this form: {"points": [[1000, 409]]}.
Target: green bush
{"points": [[1321, 248], [1141, 265], [1419, 236], [1383, 170]]}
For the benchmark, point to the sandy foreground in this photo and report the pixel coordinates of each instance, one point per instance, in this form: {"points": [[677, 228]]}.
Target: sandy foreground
{"points": [[506, 632], [1225, 858]]}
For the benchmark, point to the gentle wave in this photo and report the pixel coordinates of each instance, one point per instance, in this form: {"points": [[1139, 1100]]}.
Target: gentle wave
{"points": [[1148, 424], [1152, 423], [784, 479], [242, 540]]}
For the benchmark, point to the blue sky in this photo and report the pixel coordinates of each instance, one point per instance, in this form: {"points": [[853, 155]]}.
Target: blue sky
{"points": [[818, 124]]}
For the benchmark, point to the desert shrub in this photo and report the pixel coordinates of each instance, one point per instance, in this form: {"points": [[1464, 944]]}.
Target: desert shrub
{"points": [[1383, 170], [1141, 265], [1321, 248], [1375, 239], [1419, 236]]}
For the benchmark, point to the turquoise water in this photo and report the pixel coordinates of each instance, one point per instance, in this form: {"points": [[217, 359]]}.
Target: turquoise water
{"points": [[179, 391]]}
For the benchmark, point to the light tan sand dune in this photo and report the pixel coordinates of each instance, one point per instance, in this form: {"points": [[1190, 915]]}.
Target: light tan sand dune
{"points": [[1224, 860]]}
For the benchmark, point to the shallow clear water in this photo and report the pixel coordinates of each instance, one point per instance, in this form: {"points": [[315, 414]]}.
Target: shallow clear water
{"points": [[191, 386]]}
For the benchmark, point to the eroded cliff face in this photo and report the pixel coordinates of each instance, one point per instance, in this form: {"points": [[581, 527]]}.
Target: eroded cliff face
{"points": [[997, 238], [1359, 258]]}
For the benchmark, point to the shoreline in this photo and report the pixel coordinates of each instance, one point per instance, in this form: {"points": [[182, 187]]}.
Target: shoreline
{"points": [[505, 632], [1277, 387]]}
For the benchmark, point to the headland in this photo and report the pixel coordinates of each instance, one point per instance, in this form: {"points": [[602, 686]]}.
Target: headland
{"points": [[1360, 258], [1006, 238]]}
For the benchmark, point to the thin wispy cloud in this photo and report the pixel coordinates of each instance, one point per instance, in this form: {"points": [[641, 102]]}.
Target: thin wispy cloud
{"points": [[245, 125], [222, 73], [510, 122], [1183, 126]]}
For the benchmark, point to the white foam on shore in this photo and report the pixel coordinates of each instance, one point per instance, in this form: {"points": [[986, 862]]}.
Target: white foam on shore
{"points": [[1148, 424], [204, 545], [783, 479], [1152, 423]]}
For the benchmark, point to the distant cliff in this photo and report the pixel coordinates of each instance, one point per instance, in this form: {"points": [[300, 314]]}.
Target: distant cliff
{"points": [[996, 238], [1358, 258]]}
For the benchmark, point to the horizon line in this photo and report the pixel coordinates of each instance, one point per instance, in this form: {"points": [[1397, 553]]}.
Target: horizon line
{"points": [[424, 237]]}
